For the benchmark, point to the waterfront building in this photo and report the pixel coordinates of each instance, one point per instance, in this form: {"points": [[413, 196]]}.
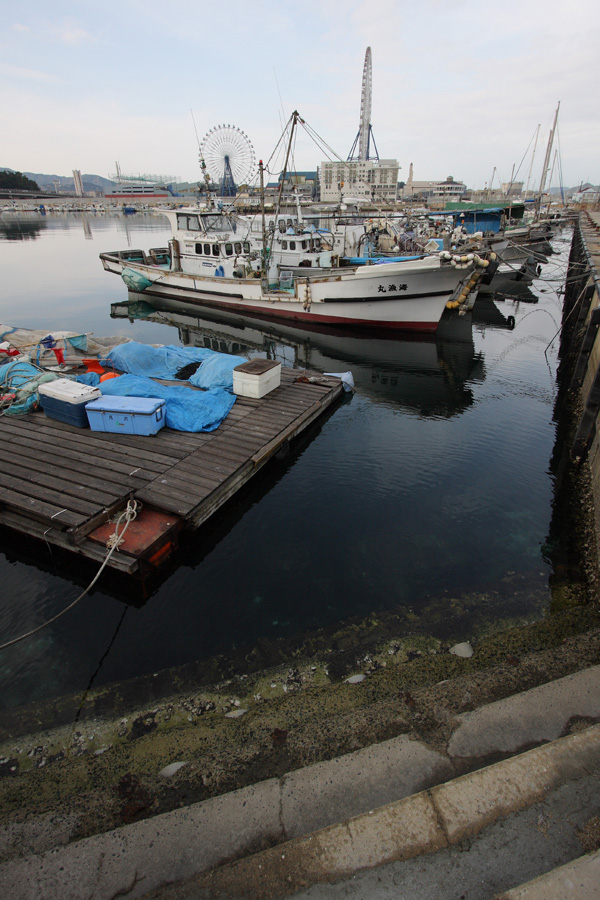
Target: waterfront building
{"points": [[366, 179], [439, 191], [304, 183]]}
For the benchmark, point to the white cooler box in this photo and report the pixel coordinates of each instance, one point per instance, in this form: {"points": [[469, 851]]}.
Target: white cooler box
{"points": [[65, 400], [256, 378]]}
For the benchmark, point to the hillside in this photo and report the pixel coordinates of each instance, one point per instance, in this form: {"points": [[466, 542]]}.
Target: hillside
{"points": [[65, 182]]}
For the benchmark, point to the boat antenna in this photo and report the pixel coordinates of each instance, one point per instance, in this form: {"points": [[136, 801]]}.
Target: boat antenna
{"points": [[279, 95], [205, 175], [195, 129]]}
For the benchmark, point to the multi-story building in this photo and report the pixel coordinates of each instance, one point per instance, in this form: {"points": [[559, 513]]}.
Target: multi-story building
{"points": [[365, 179]]}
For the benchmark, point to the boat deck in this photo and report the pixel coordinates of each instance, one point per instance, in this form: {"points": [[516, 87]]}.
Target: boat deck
{"points": [[66, 485]]}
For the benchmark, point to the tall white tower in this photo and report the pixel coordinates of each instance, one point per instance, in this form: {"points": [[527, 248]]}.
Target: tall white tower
{"points": [[363, 139], [78, 182]]}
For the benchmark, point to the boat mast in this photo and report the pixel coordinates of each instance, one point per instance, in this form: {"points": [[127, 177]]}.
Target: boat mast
{"points": [[294, 119], [263, 267], [537, 134], [546, 162]]}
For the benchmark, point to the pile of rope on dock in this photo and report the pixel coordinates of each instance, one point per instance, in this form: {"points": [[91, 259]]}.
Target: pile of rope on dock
{"points": [[19, 384]]}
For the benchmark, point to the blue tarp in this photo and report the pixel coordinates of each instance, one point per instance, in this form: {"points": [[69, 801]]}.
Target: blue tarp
{"points": [[186, 409], [215, 371], [155, 362]]}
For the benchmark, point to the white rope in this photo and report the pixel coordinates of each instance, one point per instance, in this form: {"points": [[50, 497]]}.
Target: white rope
{"points": [[129, 514]]}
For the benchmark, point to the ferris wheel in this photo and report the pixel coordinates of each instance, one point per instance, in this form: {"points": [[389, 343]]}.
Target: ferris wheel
{"points": [[228, 155]]}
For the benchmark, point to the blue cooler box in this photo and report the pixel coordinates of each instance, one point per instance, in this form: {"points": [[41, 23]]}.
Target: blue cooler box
{"points": [[66, 400], [126, 415]]}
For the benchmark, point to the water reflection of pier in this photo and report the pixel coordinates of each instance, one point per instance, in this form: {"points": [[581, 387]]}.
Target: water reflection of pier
{"points": [[429, 375]]}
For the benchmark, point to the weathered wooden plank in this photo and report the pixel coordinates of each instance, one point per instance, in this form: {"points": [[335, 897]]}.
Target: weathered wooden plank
{"points": [[84, 438], [47, 495], [158, 443], [207, 470], [187, 483], [54, 464], [187, 486], [84, 441], [38, 509], [69, 456], [165, 500], [187, 480], [30, 475], [94, 552], [218, 451], [174, 441]]}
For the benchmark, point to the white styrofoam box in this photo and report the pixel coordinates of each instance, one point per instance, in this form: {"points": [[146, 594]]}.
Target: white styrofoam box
{"points": [[256, 378], [68, 391], [65, 400]]}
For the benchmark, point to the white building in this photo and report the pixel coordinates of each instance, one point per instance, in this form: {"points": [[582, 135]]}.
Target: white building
{"points": [[368, 179], [512, 188], [587, 197], [436, 190]]}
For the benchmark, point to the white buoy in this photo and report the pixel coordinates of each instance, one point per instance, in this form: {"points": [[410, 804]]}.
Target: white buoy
{"points": [[171, 769], [463, 650]]}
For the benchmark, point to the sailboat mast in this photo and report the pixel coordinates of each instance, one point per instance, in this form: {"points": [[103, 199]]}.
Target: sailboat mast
{"points": [[537, 134], [547, 160]]}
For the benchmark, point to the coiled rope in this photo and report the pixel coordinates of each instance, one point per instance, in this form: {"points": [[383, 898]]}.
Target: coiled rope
{"points": [[113, 543]]}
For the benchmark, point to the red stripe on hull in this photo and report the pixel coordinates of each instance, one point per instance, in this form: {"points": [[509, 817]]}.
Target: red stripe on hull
{"points": [[260, 313]]}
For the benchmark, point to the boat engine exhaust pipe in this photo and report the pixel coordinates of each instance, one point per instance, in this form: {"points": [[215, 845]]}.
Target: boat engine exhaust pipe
{"points": [[175, 255]]}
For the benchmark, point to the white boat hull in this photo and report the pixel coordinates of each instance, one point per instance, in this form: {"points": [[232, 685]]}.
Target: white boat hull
{"points": [[406, 296]]}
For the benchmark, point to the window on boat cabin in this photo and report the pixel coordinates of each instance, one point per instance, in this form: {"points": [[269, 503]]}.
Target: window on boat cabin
{"points": [[199, 249], [229, 249], [246, 247], [284, 245], [304, 245], [238, 248], [207, 249], [215, 251], [292, 245], [188, 223]]}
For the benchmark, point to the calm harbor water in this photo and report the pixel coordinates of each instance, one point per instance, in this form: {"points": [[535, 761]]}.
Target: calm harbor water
{"points": [[427, 494]]}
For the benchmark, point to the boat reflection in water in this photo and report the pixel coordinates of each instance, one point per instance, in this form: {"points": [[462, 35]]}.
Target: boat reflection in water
{"points": [[429, 375], [17, 228]]}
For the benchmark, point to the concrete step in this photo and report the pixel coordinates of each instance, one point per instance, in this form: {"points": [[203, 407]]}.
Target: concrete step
{"points": [[472, 837], [579, 880], [394, 813]]}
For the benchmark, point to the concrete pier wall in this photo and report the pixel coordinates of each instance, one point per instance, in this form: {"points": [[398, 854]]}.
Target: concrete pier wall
{"points": [[580, 353]]}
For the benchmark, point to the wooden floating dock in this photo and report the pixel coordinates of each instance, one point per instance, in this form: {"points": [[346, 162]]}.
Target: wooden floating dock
{"points": [[66, 485]]}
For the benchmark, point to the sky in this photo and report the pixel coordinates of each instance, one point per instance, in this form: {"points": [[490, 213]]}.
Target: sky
{"points": [[458, 88]]}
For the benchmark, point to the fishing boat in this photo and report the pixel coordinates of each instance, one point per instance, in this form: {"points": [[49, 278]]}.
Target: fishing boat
{"points": [[211, 261], [216, 258]]}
